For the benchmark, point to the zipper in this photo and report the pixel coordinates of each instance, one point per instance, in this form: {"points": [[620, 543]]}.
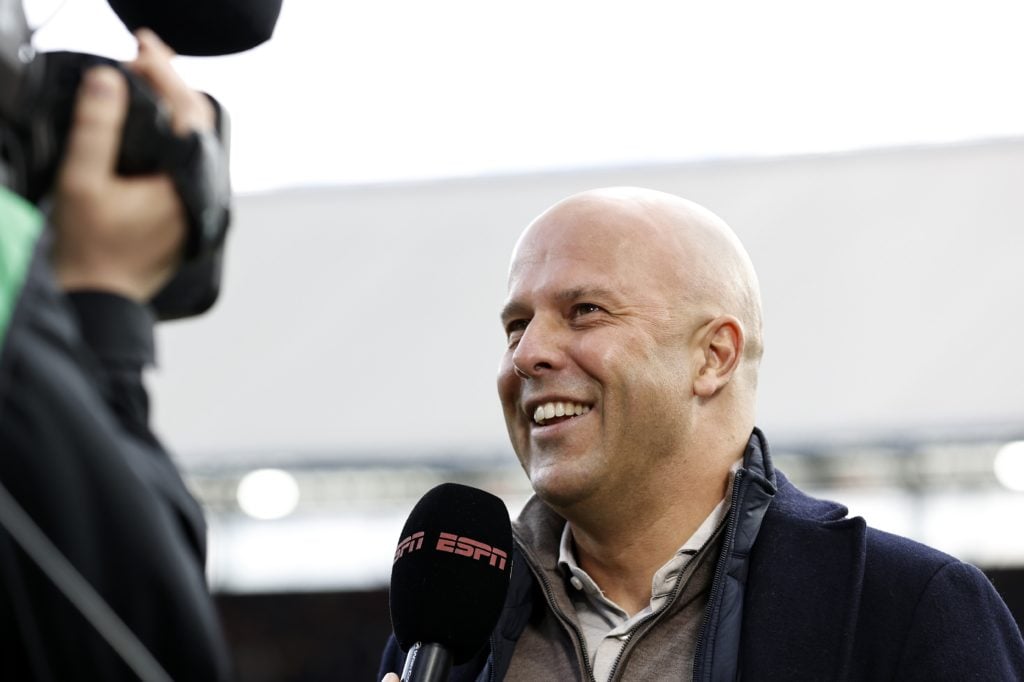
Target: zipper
{"points": [[493, 641], [568, 623], [650, 621], [716, 584]]}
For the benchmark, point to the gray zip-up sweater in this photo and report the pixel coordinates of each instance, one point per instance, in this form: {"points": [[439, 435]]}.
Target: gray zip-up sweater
{"points": [[552, 645]]}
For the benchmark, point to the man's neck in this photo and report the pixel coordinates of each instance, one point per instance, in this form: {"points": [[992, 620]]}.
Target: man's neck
{"points": [[623, 550]]}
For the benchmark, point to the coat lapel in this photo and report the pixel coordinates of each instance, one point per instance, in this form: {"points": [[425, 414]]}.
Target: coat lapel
{"points": [[802, 598]]}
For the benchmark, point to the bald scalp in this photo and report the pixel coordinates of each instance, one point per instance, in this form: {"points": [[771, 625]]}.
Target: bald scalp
{"points": [[714, 273]]}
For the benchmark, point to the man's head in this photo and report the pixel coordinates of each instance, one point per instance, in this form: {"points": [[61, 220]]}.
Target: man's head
{"points": [[638, 313]]}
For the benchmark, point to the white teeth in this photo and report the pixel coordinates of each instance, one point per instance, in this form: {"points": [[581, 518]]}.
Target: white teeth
{"points": [[550, 410]]}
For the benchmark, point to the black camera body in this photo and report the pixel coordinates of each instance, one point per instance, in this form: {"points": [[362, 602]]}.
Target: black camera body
{"points": [[37, 95]]}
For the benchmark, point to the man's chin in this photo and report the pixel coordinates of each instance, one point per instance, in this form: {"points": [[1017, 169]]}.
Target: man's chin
{"points": [[559, 491]]}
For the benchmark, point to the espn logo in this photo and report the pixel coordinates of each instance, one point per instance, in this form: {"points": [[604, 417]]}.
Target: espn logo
{"points": [[450, 542], [409, 544]]}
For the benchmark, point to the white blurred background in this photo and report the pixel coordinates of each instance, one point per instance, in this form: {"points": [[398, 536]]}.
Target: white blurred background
{"points": [[386, 155], [358, 92]]}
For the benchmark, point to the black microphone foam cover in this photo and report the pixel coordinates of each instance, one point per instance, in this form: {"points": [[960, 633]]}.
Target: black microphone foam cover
{"points": [[451, 570], [202, 28]]}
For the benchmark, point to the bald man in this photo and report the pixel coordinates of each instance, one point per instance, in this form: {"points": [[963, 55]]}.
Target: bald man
{"points": [[661, 542]]}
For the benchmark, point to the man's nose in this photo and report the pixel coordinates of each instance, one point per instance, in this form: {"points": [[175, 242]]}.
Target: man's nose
{"points": [[540, 349]]}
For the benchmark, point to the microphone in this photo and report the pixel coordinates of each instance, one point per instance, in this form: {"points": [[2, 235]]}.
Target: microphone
{"points": [[449, 579], [202, 28]]}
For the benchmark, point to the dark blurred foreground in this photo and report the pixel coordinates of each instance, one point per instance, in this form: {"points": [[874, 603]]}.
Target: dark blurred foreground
{"points": [[338, 636]]}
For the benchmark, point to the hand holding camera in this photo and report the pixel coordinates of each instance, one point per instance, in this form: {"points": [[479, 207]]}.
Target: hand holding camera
{"points": [[164, 128]]}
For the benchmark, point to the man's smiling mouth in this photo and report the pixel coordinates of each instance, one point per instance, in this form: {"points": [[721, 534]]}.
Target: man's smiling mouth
{"points": [[552, 412]]}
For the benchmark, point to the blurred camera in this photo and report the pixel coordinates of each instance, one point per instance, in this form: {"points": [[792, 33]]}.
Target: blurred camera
{"points": [[37, 95]]}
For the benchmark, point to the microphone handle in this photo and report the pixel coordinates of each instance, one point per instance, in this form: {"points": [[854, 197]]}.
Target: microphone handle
{"points": [[427, 663]]}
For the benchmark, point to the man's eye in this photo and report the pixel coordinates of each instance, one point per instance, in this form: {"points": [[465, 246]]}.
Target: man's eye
{"points": [[515, 329], [585, 309]]}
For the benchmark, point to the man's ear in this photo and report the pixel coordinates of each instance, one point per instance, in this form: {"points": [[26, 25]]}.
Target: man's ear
{"points": [[721, 345]]}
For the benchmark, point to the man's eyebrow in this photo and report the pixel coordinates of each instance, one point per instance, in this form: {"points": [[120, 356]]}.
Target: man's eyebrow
{"points": [[584, 292], [515, 309]]}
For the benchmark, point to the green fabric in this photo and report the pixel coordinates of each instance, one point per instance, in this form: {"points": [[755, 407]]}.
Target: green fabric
{"points": [[20, 226]]}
